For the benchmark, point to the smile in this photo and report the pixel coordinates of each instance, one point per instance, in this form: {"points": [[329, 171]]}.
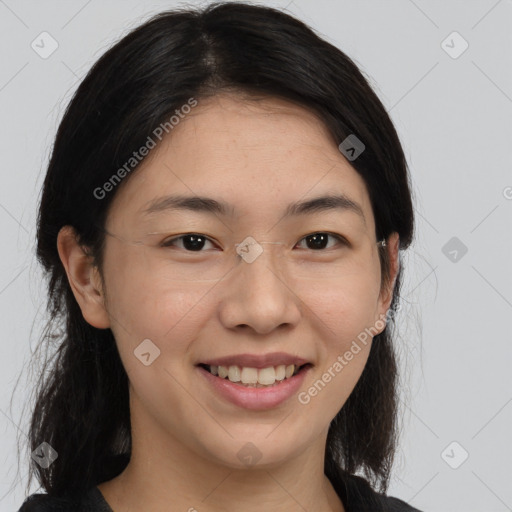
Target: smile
{"points": [[253, 395]]}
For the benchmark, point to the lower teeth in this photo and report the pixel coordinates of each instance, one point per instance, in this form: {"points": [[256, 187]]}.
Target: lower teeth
{"points": [[258, 385]]}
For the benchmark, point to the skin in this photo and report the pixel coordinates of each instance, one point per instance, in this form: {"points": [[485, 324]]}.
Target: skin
{"points": [[258, 156]]}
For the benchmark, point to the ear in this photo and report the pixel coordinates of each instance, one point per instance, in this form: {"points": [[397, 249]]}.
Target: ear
{"points": [[83, 277], [386, 294]]}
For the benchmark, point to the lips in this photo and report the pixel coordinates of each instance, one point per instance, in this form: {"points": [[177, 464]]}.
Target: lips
{"points": [[256, 397]]}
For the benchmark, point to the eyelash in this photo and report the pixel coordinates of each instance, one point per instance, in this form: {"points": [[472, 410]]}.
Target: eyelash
{"points": [[343, 241]]}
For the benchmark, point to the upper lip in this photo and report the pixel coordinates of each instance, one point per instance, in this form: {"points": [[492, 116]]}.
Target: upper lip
{"points": [[257, 361]]}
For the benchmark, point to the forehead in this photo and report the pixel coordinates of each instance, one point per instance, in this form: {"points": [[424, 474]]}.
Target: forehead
{"points": [[258, 155]]}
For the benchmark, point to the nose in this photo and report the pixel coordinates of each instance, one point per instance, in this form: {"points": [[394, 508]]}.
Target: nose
{"points": [[257, 296]]}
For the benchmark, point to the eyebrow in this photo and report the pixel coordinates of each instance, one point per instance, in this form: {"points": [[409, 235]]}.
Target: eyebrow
{"points": [[213, 206]]}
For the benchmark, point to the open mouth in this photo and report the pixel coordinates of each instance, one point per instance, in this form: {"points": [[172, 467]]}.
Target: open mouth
{"points": [[255, 377]]}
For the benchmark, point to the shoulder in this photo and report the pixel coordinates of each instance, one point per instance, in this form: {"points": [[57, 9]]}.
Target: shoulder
{"points": [[92, 501], [46, 503], [392, 504], [365, 498], [358, 496]]}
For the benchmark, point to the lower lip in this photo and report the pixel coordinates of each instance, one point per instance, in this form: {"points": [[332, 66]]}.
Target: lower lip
{"points": [[256, 399]]}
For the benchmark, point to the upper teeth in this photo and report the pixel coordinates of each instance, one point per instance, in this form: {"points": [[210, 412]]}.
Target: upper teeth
{"points": [[264, 376]]}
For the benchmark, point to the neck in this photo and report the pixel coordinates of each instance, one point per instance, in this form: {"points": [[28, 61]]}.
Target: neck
{"points": [[163, 471]]}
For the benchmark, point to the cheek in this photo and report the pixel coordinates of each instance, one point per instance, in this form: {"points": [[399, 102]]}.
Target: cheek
{"points": [[144, 303], [345, 308], [170, 319], [341, 315], [144, 307]]}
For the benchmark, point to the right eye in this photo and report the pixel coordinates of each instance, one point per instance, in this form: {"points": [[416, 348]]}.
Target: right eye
{"points": [[193, 242]]}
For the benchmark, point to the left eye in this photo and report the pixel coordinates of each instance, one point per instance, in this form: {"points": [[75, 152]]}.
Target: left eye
{"points": [[195, 241], [319, 240]]}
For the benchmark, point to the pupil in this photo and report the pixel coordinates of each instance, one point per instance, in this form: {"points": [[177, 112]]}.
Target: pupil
{"points": [[319, 240], [193, 242]]}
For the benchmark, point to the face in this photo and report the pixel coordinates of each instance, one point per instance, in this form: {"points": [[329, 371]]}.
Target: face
{"points": [[304, 299]]}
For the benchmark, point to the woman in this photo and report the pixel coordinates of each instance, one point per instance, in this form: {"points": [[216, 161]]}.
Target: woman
{"points": [[221, 223]]}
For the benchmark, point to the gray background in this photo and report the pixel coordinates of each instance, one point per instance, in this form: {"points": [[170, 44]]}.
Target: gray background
{"points": [[453, 116]]}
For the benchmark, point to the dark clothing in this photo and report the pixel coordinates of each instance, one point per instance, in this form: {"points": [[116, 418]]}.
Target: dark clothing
{"points": [[354, 492], [92, 502]]}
